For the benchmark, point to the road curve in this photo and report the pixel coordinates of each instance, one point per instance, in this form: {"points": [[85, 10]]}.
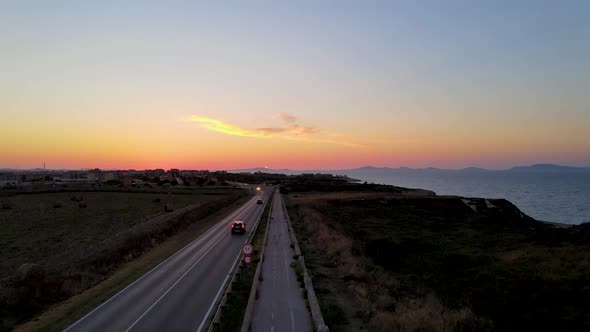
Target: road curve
{"points": [[179, 293]]}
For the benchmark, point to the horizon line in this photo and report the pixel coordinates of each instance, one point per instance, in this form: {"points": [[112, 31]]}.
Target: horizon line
{"points": [[259, 168]]}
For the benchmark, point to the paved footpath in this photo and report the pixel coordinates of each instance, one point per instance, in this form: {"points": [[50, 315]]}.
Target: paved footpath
{"points": [[280, 305]]}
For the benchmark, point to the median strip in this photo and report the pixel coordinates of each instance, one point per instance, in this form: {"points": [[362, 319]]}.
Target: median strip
{"points": [[253, 295]]}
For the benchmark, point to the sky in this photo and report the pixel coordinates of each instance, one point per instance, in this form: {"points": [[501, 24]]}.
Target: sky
{"points": [[298, 84]]}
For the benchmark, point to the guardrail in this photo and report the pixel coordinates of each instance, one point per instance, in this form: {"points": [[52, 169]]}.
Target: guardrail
{"points": [[236, 268], [249, 314], [314, 307]]}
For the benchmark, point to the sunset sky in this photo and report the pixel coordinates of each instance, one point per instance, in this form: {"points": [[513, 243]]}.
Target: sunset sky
{"points": [[301, 85]]}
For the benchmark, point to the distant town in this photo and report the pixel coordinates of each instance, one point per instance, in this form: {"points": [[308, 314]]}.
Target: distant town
{"points": [[125, 178]]}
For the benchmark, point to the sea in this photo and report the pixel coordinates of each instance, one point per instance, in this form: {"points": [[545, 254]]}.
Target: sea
{"points": [[553, 197]]}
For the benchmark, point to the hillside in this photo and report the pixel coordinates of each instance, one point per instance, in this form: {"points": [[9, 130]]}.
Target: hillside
{"points": [[394, 262]]}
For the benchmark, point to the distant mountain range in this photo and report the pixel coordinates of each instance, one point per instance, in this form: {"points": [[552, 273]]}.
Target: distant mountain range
{"points": [[537, 168], [549, 168]]}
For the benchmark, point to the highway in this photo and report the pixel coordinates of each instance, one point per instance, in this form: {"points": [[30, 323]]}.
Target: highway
{"points": [[179, 293]]}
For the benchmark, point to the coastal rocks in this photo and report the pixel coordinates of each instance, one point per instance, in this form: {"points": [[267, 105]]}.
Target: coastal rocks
{"points": [[499, 210]]}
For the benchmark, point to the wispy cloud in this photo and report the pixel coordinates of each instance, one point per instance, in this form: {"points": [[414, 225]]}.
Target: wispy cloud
{"points": [[287, 118], [294, 129], [291, 130], [222, 127]]}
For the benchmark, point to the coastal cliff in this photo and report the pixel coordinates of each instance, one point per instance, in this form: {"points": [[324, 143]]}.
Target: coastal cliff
{"points": [[389, 261]]}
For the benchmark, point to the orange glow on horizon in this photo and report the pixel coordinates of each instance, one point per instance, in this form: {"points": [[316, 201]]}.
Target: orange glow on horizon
{"points": [[206, 143]]}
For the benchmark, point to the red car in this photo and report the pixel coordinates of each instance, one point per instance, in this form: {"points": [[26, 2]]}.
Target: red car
{"points": [[259, 201], [238, 227]]}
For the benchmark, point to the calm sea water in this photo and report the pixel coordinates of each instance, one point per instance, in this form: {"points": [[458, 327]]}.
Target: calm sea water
{"points": [[555, 197]]}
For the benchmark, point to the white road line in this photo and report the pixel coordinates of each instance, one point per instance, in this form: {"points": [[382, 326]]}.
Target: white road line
{"points": [[204, 320], [287, 269], [217, 296], [292, 320], [210, 230], [174, 284]]}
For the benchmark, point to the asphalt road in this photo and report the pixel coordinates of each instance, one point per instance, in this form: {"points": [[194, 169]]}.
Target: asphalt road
{"points": [[180, 293], [280, 305]]}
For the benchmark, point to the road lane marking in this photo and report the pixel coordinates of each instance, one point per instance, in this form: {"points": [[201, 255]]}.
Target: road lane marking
{"points": [[292, 320], [287, 269], [217, 296], [221, 237], [179, 251], [175, 283], [204, 320]]}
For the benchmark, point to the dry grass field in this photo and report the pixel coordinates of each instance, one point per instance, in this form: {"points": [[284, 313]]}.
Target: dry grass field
{"points": [[49, 229], [401, 263], [56, 245]]}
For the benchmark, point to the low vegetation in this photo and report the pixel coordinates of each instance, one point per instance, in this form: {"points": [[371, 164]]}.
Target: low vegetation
{"points": [[52, 251], [390, 262]]}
